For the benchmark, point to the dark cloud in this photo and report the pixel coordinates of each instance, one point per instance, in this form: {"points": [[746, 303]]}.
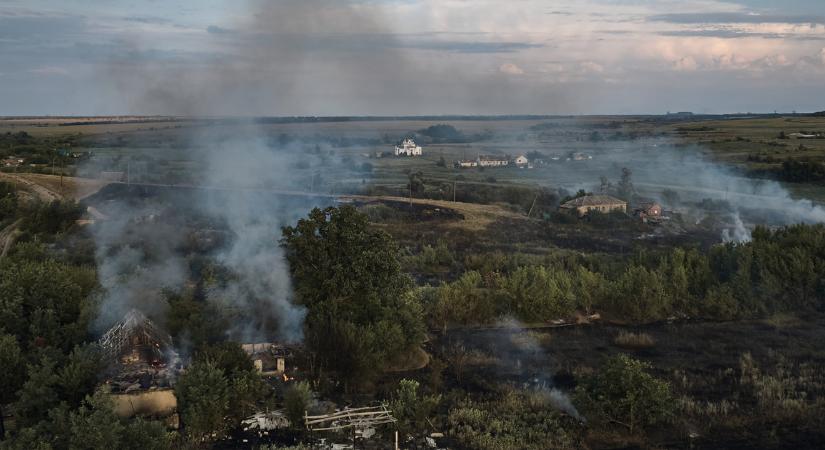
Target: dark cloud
{"points": [[738, 34], [214, 29], [734, 17], [148, 20]]}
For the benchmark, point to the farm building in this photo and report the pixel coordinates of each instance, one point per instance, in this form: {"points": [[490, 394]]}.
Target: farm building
{"points": [[268, 358], [408, 148], [578, 156], [600, 203], [13, 161], [647, 210], [465, 163], [493, 161], [521, 161]]}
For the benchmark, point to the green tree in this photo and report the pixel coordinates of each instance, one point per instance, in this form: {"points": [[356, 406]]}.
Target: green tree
{"points": [[95, 426], [537, 293], [12, 374], [639, 295], [623, 393], [411, 408], [349, 277], [39, 393], [79, 374], [203, 401], [464, 301], [46, 300], [297, 400], [245, 385]]}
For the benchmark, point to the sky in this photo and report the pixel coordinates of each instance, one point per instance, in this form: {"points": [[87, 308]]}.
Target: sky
{"points": [[410, 57]]}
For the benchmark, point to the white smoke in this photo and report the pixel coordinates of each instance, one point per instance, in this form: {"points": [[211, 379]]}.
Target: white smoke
{"points": [[738, 233], [524, 345]]}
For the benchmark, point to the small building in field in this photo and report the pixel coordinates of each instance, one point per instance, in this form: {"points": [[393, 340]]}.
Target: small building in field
{"points": [[578, 156], [465, 163], [493, 161], [13, 161], [268, 358], [601, 203], [648, 210], [522, 162], [408, 148]]}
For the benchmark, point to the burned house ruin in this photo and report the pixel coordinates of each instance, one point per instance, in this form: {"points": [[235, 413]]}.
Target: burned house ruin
{"points": [[139, 355], [269, 359]]}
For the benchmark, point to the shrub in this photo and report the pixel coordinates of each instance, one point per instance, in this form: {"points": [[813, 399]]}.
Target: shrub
{"points": [[634, 340], [622, 392]]}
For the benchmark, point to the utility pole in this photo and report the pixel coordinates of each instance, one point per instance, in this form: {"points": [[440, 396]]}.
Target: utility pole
{"points": [[454, 185]]}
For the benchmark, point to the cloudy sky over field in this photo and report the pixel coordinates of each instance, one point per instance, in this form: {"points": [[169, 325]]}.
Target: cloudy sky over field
{"points": [[377, 57]]}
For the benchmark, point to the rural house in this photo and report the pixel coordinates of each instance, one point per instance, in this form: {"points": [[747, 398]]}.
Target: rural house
{"points": [[408, 148], [465, 163], [648, 210], [601, 203], [522, 162], [493, 161]]}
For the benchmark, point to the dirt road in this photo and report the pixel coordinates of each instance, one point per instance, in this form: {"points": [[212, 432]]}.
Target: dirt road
{"points": [[25, 184], [7, 237], [10, 233]]}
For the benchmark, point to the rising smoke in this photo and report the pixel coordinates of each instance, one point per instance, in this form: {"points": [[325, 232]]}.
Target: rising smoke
{"points": [[523, 349], [658, 165], [140, 250]]}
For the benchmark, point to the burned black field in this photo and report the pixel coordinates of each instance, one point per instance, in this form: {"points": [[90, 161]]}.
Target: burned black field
{"points": [[702, 360]]}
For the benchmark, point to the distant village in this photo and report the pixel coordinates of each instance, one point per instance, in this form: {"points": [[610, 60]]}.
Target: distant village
{"points": [[409, 148]]}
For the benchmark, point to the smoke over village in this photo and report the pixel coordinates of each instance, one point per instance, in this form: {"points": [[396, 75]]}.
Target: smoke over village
{"points": [[417, 224]]}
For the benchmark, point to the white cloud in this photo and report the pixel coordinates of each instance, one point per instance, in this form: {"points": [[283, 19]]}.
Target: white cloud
{"points": [[511, 69]]}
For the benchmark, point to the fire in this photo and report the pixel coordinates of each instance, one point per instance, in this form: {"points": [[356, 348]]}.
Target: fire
{"points": [[285, 377]]}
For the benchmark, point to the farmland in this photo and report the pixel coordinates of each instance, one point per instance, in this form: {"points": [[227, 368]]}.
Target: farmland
{"points": [[515, 309]]}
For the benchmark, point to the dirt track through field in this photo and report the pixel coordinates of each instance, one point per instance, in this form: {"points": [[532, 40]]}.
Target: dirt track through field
{"points": [[7, 236], [23, 183]]}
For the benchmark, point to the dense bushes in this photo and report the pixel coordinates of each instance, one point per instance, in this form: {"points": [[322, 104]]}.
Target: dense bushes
{"points": [[51, 218], [623, 392], [778, 271], [523, 420], [791, 170]]}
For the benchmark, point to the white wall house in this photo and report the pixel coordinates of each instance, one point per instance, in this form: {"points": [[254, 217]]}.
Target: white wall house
{"points": [[493, 161], [408, 148], [521, 161]]}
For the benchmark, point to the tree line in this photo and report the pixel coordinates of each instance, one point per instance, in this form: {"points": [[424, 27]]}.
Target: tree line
{"points": [[779, 270]]}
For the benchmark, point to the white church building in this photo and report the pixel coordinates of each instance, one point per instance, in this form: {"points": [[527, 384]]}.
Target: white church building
{"points": [[408, 148]]}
